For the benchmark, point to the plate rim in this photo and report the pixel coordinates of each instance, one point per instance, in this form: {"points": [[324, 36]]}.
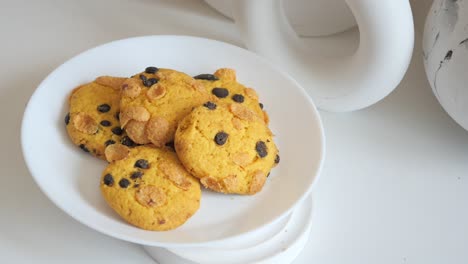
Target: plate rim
{"points": [[27, 158]]}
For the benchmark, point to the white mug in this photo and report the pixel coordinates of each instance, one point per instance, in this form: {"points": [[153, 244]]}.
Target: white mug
{"points": [[335, 83]]}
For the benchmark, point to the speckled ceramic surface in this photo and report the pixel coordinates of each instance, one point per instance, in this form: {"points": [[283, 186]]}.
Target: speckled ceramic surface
{"points": [[445, 47]]}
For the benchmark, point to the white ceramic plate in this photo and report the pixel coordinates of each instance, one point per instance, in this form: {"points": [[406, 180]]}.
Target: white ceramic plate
{"points": [[70, 177]]}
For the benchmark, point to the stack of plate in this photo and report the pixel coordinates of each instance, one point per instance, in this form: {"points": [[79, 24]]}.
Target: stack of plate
{"points": [[279, 242], [226, 228]]}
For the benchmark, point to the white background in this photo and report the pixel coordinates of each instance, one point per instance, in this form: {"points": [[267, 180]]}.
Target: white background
{"points": [[394, 188]]}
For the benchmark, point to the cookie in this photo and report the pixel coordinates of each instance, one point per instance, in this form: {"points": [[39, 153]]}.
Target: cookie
{"points": [[224, 86], [148, 187], [153, 102], [93, 119], [227, 146]]}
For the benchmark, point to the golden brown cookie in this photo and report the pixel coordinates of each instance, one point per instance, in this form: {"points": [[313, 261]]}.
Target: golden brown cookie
{"points": [[224, 86], [227, 146], [93, 119], [149, 188], [153, 102]]}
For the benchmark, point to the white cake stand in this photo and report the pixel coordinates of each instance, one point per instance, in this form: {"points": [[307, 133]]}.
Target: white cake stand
{"points": [[281, 246]]}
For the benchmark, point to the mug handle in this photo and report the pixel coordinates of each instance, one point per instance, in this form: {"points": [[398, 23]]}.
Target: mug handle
{"points": [[335, 84]]}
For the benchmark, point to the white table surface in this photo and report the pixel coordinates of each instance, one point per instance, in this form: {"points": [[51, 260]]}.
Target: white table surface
{"points": [[394, 187]]}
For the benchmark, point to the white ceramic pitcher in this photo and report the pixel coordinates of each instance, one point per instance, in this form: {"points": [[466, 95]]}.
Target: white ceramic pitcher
{"points": [[309, 18], [335, 84]]}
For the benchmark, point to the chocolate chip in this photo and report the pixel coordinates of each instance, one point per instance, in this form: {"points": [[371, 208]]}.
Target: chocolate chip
{"points": [[67, 119], [143, 77], [109, 142], [170, 145], [136, 185], [221, 138], [239, 98], [210, 105], [84, 148], [151, 70], [277, 159], [117, 131], [108, 180], [150, 82], [206, 76], [124, 183], [127, 142], [142, 164], [261, 149], [220, 92], [261, 105], [104, 108], [117, 115], [136, 175], [106, 123]]}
